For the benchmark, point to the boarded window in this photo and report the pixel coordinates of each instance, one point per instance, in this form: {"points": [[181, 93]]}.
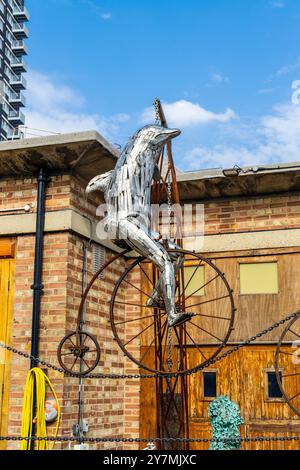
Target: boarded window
{"points": [[209, 384], [273, 387], [194, 280], [258, 278]]}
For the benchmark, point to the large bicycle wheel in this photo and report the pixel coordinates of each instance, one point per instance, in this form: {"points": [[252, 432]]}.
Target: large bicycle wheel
{"points": [[142, 330]]}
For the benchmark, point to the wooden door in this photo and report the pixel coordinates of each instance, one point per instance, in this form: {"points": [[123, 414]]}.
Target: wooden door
{"points": [[7, 269]]}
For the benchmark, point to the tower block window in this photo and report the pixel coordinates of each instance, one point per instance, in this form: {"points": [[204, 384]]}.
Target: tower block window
{"points": [[259, 278], [209, 384], [194, 280], [273, 387]]}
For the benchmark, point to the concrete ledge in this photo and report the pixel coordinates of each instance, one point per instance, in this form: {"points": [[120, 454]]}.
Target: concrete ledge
{"points": [[55, 221], [245, 241], [70, 220]]}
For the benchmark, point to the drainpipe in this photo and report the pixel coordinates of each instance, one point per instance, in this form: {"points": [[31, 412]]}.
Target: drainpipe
{"points": [[37, 286]]}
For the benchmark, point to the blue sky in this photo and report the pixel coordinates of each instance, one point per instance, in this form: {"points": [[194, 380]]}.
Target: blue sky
{"points": [[224, 70]]}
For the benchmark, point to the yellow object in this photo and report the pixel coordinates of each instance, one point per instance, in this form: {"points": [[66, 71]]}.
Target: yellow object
{"points": [[37, 380], [193, 280], [258, 278], [7, 275]]}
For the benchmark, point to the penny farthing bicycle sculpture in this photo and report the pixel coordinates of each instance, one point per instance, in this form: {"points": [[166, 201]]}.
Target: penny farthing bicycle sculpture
{"points": [[144, 335]]}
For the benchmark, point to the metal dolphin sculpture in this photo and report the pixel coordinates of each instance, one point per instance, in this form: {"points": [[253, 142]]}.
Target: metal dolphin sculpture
{"points": [[127, 192]]}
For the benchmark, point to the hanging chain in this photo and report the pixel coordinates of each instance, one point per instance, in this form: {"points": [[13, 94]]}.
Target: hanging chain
{"points": [[169, 188], [156, 439], [157, 113], [169, 203], [198, 368]]}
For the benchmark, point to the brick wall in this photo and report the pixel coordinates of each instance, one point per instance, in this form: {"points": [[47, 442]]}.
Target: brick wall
{"points": [[112, 406], [62, 278], [261, 213]]}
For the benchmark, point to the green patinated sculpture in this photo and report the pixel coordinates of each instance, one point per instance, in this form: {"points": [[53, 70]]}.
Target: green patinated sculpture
{"points": [[225, 418]]}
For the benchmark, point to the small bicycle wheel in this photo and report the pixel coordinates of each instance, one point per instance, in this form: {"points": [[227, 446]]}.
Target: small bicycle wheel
{"points": [[142, 330], [287, 364], [78, 353]]}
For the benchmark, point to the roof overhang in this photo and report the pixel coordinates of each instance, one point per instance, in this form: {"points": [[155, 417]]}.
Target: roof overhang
{"points": [[210, 184], [84, 153], [88, 154]]}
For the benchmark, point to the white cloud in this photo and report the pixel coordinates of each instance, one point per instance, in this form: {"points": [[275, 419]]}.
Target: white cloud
{"points": [[276, 139], [56, 108], [43, 92], [106, 16], [265, 91], [184, 113], [287, 69], [219, 78]]}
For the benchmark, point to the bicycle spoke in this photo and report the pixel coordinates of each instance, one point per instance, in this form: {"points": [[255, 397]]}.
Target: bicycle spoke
{"points": [[208, 301], [290, 375], [85, 338], [197, 346], [211, 316], [202, 287], [134, 319], [133, 305], [294, 333], [205, 331], [163, 327], [85, 362], [69, 339], [74, 363], [136, 336], [194, 272], [151, 282], [287, 353], [297, 394], [140, 290]]}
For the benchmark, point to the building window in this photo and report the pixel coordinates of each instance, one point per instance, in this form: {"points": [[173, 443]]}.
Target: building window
{"points": [[209, 384], [273, 387], [258, 278], [194, 280]]}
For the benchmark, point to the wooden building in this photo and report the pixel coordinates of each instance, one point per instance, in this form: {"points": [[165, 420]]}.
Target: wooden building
{"points": [[252, 234]]}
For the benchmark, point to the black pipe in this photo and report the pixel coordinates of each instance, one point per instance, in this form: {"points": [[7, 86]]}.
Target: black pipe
{"points": [[37, 285]]}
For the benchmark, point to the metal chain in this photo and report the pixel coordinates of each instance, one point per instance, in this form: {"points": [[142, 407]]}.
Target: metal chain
{"points": [[37, 360], [169, 189], [157, 115], [157, 439]]}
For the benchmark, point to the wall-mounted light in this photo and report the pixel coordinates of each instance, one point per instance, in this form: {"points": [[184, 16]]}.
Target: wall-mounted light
{"points": [[27, 208]]}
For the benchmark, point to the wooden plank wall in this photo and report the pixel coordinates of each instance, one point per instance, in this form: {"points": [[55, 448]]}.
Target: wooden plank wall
{"points": [[242, 376]]}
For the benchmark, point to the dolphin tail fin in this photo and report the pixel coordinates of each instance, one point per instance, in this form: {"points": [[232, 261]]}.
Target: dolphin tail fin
{"points": [[100, 182]]}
